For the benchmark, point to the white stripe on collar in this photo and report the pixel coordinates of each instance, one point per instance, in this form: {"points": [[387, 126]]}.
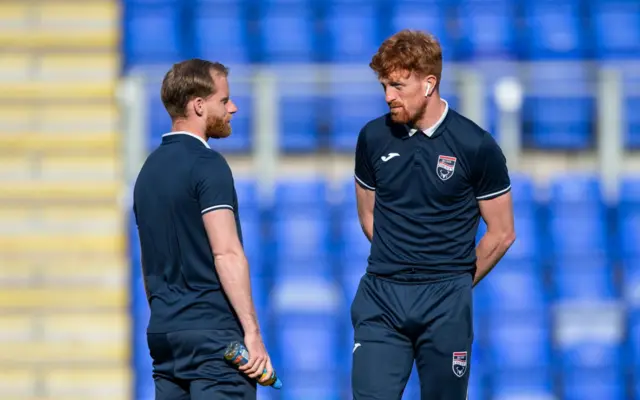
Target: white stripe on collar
{"points": [[429, 132], [188, 134]]}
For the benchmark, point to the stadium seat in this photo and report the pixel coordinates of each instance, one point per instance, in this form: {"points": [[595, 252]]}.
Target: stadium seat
{"points": [[577, 216], [559, 107], [424, 15], [302, 227], [154, 34], [583, 279], [629, 218], [221, 32], [354, 246], [17, 382], [631, 281], [616, 25], [518, 340], [516, 287], [308, 343], [488, 30], [412, 390], [632, 133], [353, 30], [526, 247], [554, 30], [158, 120], [593, 384], [522, 383], [99, 383], [298, 120], [352, 105], [276, 22], [634, 338]]}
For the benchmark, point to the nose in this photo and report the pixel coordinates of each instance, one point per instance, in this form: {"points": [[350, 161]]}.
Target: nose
{"points": [[390, 95], [231, 107]]}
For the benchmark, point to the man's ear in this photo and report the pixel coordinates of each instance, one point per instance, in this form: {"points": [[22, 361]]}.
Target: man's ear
{"points": [[198, 106], [430, 85]]}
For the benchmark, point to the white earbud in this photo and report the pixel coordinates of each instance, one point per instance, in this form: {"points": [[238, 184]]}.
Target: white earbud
{"points": [[428, 90]]}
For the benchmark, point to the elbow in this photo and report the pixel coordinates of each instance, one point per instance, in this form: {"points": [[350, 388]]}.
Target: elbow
{"points": [[508, 238]]}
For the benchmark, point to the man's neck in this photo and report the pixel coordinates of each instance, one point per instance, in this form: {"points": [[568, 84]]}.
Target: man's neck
{"points": [[186, 126], [432, 115]]}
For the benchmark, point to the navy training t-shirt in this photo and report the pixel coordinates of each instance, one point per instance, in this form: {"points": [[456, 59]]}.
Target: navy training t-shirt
{"points": [[179, 182], [427, 188]]}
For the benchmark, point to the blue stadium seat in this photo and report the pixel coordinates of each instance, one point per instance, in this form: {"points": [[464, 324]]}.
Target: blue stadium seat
{"points": [[516, 288], [301, 193], [428, 15], [583, 279], [554, 30], [591, 353], [559, 109], [352, 105], [302, 228], [593, 384], [631, 281], [634, 339], [629, 218], [632, 133], [221, 32], [487, 29], [354, 244], [577, 215], [353, 31], [616, 24], [298, 121], [526, 247], [153, 33], [308, 338], [252, 240], [277, 21], [521, 383], [158, 121], [412, 390], [247, 192], [518, 340]]}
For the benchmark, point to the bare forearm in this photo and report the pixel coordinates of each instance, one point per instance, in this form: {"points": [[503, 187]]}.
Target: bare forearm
{"points": [[367, 227], [233, 271], [491, 248]]}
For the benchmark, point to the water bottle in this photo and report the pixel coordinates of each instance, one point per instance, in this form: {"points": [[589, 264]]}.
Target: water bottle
{"points": [[238, 355]]}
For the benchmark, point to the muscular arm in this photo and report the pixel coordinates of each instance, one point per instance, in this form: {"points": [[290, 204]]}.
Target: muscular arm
{"points": [[366, 199], [498, 215], [231, 265]]}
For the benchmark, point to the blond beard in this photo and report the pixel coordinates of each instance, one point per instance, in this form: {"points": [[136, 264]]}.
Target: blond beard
{"points": [[217, 128]]}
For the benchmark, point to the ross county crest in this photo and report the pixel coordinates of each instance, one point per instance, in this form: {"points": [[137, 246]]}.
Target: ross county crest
{"points": [[446, 167], [459, 363]]}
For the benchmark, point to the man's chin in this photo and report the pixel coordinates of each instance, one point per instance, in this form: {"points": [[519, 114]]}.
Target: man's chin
{"points": [[399, 118]]}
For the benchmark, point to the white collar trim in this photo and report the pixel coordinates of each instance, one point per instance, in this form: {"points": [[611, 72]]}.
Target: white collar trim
{"points": [[429, 132], [188, 134]]}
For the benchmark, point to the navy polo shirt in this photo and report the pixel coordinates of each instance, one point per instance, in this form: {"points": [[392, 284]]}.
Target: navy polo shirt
{"points": [[179, 182], [427, 187]]}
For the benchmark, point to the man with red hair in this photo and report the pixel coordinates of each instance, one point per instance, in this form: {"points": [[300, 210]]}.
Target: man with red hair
{"points": [[425, 175]]}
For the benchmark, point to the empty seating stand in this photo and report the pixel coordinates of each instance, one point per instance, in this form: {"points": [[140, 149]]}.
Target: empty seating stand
{"points": [[63, 293]]}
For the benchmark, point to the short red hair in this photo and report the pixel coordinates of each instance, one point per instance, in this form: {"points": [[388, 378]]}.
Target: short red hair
{"points": [[411, 51]]}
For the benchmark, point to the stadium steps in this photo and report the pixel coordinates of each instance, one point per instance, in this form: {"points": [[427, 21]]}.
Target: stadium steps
{"points": [[63, 269], [60, 25]]}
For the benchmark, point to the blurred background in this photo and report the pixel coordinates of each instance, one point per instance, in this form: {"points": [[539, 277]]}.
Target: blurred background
{"points": [[556, 82]]}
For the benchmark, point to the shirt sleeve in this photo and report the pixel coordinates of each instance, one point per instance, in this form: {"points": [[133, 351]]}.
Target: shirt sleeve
{"points": [[213, 182], [364, 170], [490, 170]]}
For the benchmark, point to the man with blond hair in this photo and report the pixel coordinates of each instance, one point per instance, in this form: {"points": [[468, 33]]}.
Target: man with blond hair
{"points": [[195, 271], [425, 175]]}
